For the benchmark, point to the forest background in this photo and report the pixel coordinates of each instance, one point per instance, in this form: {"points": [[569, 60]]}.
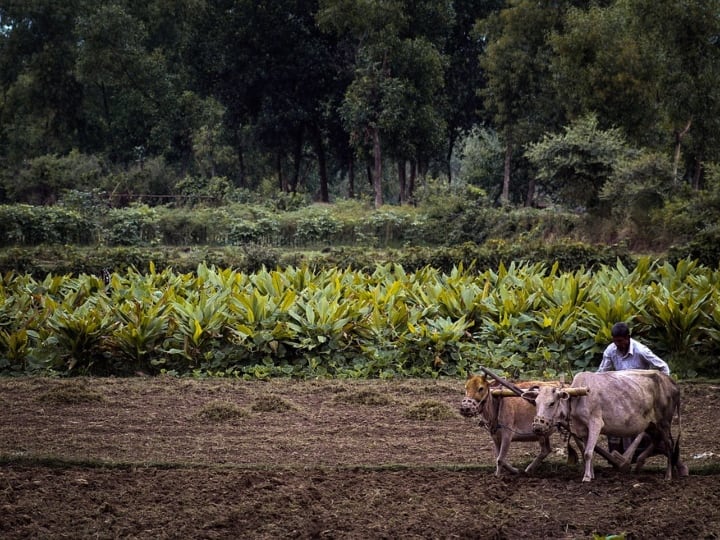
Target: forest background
{"points": [[341, 133]]}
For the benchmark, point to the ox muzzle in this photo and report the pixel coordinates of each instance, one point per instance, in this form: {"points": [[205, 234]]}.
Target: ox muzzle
{"points": [[542, 426], [469, 407]]}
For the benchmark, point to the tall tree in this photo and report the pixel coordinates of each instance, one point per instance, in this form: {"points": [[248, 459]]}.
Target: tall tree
{"points": [[463, 76], [272, 69], [40, 98], [650, 67], [391, 106], [604, 63], [519, 94], [687, 37]]}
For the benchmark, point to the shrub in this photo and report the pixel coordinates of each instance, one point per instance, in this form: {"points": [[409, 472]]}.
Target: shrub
{"points": [[133, 226], [316, 227], [42, 179], [26, 225]]}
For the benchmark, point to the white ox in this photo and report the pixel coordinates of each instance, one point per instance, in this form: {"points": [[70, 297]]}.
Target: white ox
{"points": [[630, 403], [506, 418]]}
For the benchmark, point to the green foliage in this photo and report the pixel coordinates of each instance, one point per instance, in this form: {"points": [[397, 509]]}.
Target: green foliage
{"points": [[132, 226], [574, 166], [43, 179], [29, 226], [521, 319], [481, 159], [319, 227]]}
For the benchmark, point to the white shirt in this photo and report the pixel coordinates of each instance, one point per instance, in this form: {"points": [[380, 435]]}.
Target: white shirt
{"points": [[638, 357]]}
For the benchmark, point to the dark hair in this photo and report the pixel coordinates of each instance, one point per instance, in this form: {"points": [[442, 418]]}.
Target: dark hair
{"points": [[620, 330]]}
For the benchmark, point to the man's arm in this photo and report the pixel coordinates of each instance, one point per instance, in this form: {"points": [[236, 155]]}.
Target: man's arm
{"points": [[653, 359], [607, 363]]}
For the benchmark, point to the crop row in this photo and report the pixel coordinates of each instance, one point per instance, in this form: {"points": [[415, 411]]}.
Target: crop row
{"points": [[524, 319]]}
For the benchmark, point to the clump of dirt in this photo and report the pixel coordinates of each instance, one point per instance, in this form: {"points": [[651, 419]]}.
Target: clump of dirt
{"points": [[219, 411], [429, 409], [70, 392], [274, 404]]}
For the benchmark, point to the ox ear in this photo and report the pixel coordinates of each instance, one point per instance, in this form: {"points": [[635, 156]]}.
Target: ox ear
{"points": [[530, 394], [564, 395]]}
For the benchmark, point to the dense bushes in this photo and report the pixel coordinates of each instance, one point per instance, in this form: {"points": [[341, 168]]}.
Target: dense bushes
{"points": [[41, 260], [24, 225], [345, 224]]}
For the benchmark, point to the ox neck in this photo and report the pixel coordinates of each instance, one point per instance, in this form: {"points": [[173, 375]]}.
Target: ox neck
{"points": [[491, 410]]}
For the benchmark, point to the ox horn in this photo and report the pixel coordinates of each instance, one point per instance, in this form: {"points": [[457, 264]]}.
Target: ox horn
{"points": [[577, 391]]}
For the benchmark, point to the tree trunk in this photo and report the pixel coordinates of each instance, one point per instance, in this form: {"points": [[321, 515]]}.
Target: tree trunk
{"points": [[505, 197], [530, 192], [297, 158], [402, 180], [241, 167], [451, 144], [698, 173], [351, 178], [282, 181], [411, 182], [322, 166], [377, 170], [678, 142]]}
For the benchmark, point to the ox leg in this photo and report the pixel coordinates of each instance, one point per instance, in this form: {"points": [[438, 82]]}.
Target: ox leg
{"points": [[545, 450], [592, 440], [611, 459], [667, 441], [501, 453]]}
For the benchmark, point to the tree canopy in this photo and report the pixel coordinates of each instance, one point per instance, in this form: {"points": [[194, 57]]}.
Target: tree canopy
{"points": [[339, 98]]}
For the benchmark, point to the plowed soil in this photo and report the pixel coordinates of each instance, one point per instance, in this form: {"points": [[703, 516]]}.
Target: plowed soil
{"points": [[161, 458]]}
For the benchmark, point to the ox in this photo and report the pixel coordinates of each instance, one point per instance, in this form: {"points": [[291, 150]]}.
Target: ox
{"points": [[506, 418], [630, 403]]}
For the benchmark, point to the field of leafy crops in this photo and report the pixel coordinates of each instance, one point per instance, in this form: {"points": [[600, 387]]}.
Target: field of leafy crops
{"points": [[522, 319]]}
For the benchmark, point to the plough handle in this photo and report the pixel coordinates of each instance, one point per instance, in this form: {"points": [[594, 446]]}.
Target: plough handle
{"points": [[506, 384]]}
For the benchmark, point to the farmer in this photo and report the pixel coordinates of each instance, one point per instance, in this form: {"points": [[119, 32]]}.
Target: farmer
{"points": [[627, 353]]}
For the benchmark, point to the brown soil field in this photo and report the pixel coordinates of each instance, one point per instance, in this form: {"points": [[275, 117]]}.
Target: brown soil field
{"points": [[161, 458]]}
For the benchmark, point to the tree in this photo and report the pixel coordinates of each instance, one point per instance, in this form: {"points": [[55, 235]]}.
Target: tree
{"points": [[572, 167], [463, 107], [274, 71], [651, 68], [604, 63], [685, 35], [392, 104], [519, 94], [40, 99]]}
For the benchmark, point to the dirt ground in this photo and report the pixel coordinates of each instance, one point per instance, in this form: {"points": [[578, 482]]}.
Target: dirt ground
{"points": [[161, 458]]}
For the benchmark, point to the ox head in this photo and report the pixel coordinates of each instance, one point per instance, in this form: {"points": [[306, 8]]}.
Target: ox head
{"points": [[552, 406], [477, 390]]}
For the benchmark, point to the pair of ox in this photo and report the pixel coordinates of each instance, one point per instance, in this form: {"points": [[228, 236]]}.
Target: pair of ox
{"points": [[633, 403]]}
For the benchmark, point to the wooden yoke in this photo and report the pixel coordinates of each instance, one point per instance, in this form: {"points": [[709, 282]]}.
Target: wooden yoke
{"points": [[507, 384], [503, 392]]}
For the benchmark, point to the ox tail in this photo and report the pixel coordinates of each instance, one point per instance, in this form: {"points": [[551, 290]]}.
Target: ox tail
{"points": [[676, 448]]}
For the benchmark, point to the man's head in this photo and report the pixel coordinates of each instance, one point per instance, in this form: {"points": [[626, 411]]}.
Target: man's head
{"points": [[621, 337]]}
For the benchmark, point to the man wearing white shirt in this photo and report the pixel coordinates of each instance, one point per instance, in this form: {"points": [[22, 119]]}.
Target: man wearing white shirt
{"points": [[627, 353]]}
